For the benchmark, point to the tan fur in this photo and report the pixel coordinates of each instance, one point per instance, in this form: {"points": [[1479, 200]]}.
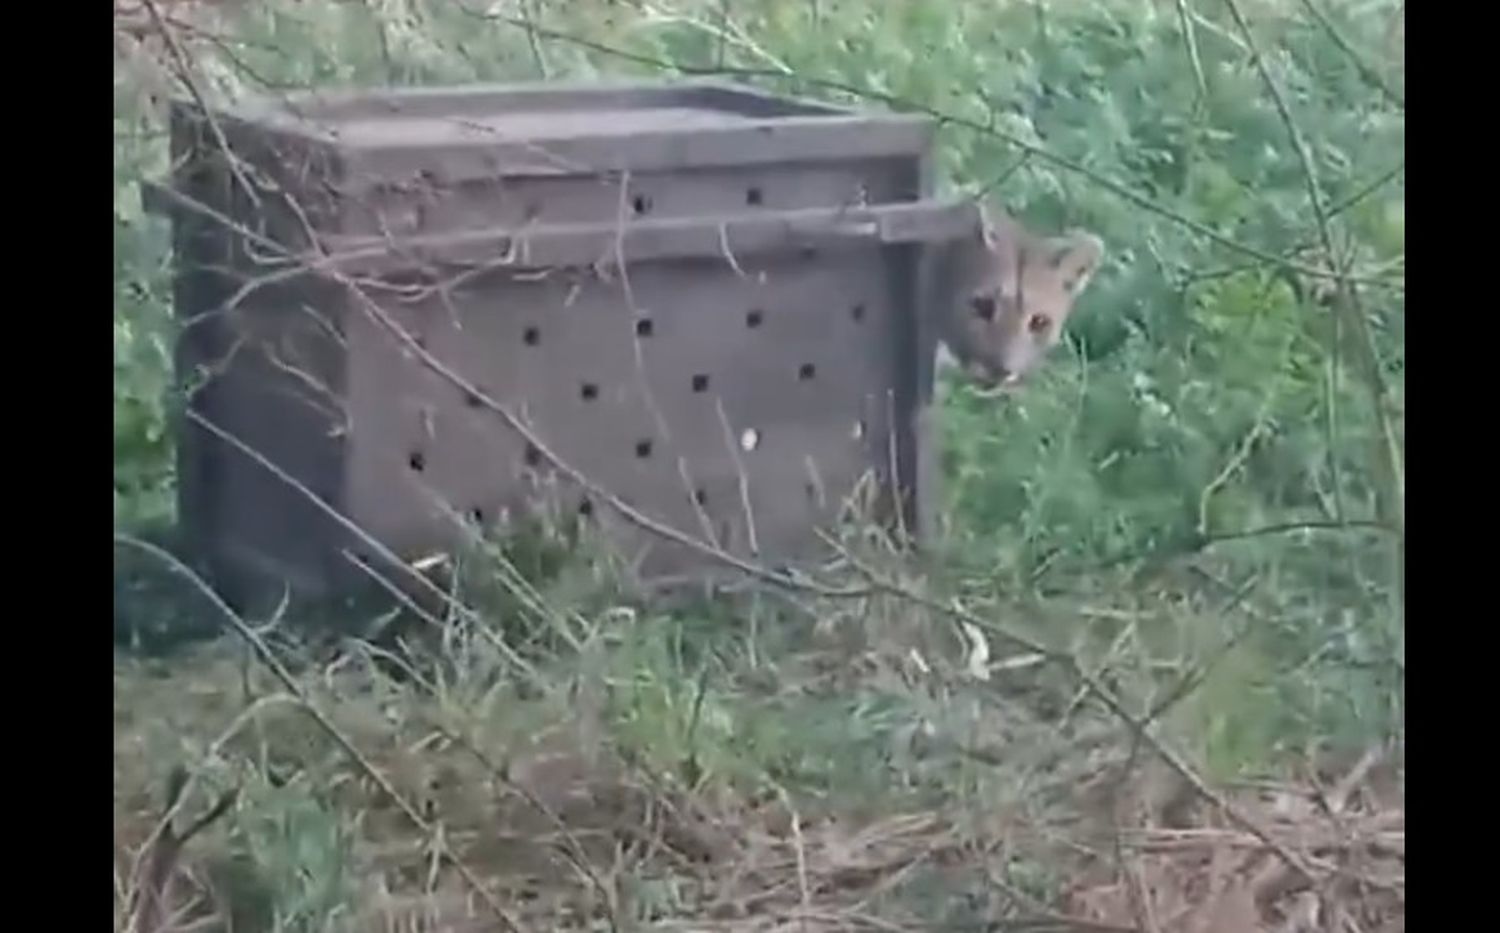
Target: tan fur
{"points": [[1006, 295]]}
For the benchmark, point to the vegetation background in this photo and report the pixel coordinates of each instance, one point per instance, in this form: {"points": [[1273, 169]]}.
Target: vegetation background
{"points": [[1199, 503]]}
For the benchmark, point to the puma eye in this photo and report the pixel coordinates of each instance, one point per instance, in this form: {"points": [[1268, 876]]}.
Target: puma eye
{"points": [[1038, 323], [984, 307]]}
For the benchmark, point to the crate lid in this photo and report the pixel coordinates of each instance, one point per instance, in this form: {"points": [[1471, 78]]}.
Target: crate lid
{"points": [[487, 131]]}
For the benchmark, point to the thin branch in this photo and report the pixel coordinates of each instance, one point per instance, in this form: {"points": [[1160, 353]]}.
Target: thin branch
{"points": [[1347, 303], [1309, 868], [279, 671], [1357, 197], [180, 59], [1103, 694], [1108, 184], [1190, 39], [1365, 69], [528, 9]]}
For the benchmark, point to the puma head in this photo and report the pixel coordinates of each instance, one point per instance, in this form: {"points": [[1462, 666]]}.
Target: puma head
{"points": [[1012, 293]]}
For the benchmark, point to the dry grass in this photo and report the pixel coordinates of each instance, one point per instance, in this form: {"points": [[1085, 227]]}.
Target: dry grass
{"points": [[569, 825], [1188, 871]]}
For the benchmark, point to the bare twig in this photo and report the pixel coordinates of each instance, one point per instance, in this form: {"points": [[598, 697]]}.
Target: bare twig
{"points": [[1365, 69], [1347, 304], [1104, 695], [528, 10], [180, 60], [1190, 39], [732, 444], [153, 887], [891, 100]]}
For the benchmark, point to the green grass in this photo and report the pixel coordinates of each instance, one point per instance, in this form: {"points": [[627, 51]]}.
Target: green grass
{"points": [[1185, 492]]}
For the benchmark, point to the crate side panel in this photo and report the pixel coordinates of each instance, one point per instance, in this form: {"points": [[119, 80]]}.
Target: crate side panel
{"points": [[738, 404], [776, 379], [408, 446], [200, 287], [278, 391]]}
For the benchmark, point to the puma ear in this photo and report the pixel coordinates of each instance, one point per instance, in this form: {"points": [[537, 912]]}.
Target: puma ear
{"points": [[996, 225], [986, 232], [1002, 235], [1076, 257], [984, 235]]}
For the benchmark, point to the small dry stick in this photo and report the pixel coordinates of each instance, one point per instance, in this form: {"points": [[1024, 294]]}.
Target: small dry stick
{"points": [[733, 445], [163, 850], [272, 663], [1294, 860], [1116, 188]]}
